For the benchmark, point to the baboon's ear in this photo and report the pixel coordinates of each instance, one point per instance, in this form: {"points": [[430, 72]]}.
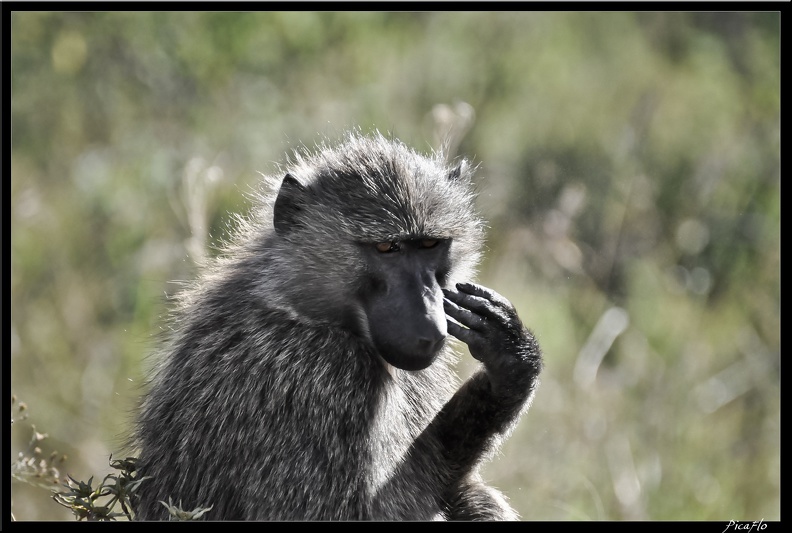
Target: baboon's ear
{"points": [[459, 172], [288, 205]]}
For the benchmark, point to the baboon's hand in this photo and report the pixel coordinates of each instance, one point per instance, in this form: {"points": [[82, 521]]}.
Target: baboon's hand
{"points": [[495, 336]]}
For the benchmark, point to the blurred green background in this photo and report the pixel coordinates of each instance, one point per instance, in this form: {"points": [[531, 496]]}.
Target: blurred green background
{"points": [[629, 168]]}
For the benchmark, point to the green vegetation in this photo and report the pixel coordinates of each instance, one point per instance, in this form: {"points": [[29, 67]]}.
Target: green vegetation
{"points": [[630, 170], [99, 504]]}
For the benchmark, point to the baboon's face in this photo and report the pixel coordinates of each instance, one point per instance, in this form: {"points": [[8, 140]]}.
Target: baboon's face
{"points": [[373, 233], [402, 299]]}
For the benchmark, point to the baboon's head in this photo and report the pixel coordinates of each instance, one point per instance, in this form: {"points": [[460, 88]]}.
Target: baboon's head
{"points": [[372, 231]]}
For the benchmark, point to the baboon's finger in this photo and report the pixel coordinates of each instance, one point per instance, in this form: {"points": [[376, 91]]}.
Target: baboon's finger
{"points": [[468, 336], [486, 294], [463, 316], [479, 305]]}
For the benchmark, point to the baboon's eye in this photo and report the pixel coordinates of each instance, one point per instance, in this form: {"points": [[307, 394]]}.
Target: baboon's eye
{"points": [[385, 247], [429, 243]]}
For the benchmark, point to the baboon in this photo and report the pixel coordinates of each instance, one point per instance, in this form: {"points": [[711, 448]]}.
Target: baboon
{"points": [[308, 374]]}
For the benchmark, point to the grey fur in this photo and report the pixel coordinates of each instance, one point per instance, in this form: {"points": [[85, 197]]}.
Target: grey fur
{"points": [[272, 401]]}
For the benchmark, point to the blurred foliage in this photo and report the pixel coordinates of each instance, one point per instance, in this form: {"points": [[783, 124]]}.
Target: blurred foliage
{"points": [[630, 170], [31, 465]]}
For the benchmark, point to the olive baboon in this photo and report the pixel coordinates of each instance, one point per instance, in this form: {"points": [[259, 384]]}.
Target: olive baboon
{"points": [[308, 375]]}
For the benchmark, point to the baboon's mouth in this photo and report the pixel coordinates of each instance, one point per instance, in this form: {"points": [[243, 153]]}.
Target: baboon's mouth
{"points": [[413, 361]]}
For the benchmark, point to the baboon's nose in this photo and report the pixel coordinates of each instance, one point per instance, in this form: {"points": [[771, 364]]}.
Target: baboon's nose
{"points": [[430, 345]]}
